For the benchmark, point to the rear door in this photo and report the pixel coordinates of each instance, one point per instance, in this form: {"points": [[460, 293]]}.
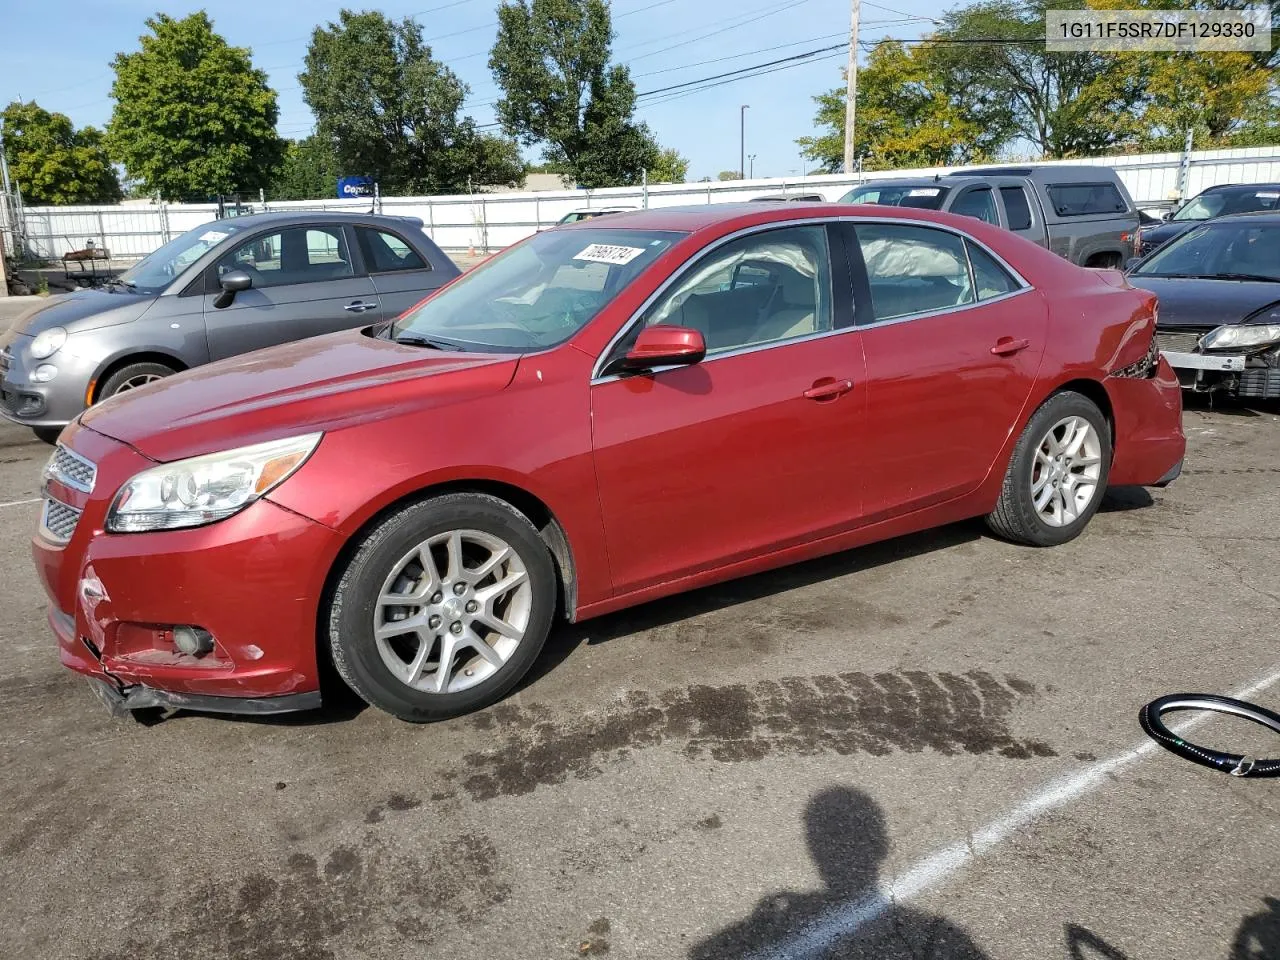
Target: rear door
{"points": [[401, 275], [1022, 214], [978, 202], [304, 285], [953, 345]]}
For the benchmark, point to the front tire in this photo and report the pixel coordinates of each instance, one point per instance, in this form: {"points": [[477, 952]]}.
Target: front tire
{"points": [[49, 435], [442, 609], [1057, 474], [133, 376]]}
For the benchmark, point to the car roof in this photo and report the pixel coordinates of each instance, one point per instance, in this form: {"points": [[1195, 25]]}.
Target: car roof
{"points": [[278, 217], [1241, 187], [1056, 173]]}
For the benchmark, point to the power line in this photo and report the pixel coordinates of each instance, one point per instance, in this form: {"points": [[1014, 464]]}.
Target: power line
{"points": [[667, 98], [733, 26], [807, 55]]}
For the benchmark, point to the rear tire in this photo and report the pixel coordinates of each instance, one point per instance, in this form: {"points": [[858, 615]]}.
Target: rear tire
{"points": [[131, 377], [1057, 474], [479, 589]]}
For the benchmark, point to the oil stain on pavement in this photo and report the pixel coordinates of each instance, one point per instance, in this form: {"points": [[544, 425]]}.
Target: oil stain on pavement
{"points": [[844, 714], [293, 914]]}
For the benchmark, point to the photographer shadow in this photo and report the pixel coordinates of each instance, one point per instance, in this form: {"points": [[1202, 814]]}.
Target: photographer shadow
{"points": [[848, 842]]}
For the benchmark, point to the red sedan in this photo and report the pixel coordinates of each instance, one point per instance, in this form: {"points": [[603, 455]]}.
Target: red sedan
{"points": [[602, 415]]}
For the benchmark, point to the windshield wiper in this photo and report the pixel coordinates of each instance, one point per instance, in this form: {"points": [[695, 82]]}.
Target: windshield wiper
{"points": [[117, 282], [1242, 276], [416, 340]]}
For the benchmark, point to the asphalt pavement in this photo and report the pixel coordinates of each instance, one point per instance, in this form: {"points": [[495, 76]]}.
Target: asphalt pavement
{"points": [[926, 748]]}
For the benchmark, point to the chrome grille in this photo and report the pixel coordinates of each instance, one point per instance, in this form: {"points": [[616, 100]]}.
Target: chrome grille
{"points": [[58, 521], [1179, 341], [71, 469], [5, 359]]}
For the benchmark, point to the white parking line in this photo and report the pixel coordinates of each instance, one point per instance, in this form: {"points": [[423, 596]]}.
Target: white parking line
{"points": [[939, 867], [19, 503]]}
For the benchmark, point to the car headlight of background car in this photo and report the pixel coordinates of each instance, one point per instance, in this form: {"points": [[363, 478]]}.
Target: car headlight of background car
{"points": [[190, 493], [1241, 335], [48, 342]]}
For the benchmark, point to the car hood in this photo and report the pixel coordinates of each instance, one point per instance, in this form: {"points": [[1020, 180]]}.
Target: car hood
{"points": [[1162, 234], [324, 383], [1208, 303], [84, 310]]}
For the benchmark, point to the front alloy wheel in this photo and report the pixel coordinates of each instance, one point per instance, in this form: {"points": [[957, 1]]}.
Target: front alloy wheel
{"points": [[443, 607], [452, 611]]}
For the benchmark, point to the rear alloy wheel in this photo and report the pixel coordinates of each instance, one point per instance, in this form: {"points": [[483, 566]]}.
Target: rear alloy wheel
{"points": [[1057, 475], [133, 376], [443, 608]]}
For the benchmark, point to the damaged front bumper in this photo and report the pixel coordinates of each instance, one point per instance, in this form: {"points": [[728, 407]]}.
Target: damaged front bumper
{"points": [[137, 697]]}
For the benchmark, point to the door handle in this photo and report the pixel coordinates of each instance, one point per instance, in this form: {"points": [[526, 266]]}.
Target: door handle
{"points": [[1008, 346], [828, 388], [360, 306]]}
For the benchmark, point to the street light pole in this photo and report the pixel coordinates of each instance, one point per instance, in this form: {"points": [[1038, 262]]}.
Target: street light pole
{"points": [[752, 160], [742, 139], [851, 93]]}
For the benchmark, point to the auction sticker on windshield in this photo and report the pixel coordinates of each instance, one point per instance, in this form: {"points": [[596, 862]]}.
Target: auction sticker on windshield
{"points": [[609, 253], [213, 236]]}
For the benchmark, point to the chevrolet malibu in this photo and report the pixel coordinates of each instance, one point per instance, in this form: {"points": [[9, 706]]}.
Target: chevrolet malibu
{"points": [[605, 414]]}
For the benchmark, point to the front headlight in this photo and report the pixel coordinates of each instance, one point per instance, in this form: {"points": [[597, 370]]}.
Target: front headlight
{"points": [[48, 342], [1241, 335], [205, 489]]}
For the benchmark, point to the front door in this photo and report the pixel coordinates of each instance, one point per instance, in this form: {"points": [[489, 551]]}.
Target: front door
{"points": [[755, 448], [304, 285], [952, 349]]}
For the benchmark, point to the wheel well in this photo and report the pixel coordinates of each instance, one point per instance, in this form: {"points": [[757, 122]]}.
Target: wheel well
{"points": [[538, 513], [1107, 259], [1098, 394], [116, 365]]}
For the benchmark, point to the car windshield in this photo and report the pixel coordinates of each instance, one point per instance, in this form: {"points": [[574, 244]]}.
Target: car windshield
{"points": [[1209, 205], [1220, 250], [157, 270], [925, 198], [537, 294]]}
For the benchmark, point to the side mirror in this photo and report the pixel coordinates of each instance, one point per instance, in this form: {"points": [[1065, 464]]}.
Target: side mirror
{"points": [[232, 283], [1131, 263], [664, 346]]}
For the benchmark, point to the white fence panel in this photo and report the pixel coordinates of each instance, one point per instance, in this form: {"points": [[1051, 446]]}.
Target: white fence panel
{"points": [[491, 221]]}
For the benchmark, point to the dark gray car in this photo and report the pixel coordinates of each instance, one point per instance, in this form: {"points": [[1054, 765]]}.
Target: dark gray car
{"points": [[1082, 213], [222, 289]]}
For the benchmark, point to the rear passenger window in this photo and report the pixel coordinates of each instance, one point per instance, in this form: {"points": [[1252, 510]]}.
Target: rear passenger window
{"points": [[913, 269], [387, 253], [978, 202], [991, 279], [1083, 199], [1016, 207]]}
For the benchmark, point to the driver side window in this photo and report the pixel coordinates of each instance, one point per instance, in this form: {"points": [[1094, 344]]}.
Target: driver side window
{"points": [[762, 288]]}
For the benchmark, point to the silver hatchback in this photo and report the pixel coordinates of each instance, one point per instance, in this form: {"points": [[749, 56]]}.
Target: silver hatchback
{"points": [[222, 289]]}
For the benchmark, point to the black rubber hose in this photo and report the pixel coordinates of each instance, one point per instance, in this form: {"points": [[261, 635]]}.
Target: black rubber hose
{"points": [[1238, 765]]}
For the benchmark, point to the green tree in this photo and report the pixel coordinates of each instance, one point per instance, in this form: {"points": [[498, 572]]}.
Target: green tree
{"points": [[309, 171], [551, 62], [193, 117], [910, 114], [392, 110], [52, 162], [726, 175], [670, 167], [1064, 104]]}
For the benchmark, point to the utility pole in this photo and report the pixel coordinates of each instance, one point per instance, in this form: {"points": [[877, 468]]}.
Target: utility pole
{"points": [[852, 91], [742, 139]]}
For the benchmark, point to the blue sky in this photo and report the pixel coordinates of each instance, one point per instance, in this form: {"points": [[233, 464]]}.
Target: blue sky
{"points": [[67, 69]]}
